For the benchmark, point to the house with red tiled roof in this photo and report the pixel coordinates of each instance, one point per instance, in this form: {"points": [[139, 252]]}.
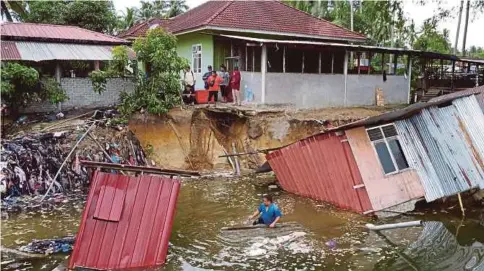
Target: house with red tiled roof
{"points": [[287, 56], [68, 54]]}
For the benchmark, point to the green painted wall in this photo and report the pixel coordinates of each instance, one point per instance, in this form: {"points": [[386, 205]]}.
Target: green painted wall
{"points": [[184, 49]]}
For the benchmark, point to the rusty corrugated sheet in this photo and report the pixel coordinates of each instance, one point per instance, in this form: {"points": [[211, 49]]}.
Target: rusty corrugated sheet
{"points": [[126, 222], [444, 145], [33, 31], [321, 167], [9, 51]]}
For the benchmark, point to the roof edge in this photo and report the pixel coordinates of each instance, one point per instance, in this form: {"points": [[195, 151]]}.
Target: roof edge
{"points": [[321, 19]]}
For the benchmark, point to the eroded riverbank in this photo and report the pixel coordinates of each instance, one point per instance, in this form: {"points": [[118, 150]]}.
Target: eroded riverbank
{"points": [[319, 238]]}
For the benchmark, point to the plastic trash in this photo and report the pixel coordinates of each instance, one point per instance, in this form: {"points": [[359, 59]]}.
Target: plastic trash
{"points": [[331, 244], [248, 94]]}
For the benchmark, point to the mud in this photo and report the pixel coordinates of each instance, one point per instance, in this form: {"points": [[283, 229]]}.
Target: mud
{"points": [[194, 137]]}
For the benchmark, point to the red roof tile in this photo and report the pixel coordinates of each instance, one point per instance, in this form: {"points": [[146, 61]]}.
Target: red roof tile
{"points": [[50, 32], [9, 51], [256, 16]]}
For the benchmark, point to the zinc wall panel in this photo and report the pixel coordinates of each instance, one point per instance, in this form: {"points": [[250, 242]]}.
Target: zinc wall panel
{"points": [[320, 167], [445, 147], [140, 238]]}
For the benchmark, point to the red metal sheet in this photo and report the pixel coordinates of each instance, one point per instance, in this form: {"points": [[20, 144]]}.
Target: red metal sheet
{"points": [[9, 51], [321, 167], [133, 224], [31, 31]]}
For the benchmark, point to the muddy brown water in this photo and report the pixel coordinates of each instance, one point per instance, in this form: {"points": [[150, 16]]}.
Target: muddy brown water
{"points": [[317, 236]]}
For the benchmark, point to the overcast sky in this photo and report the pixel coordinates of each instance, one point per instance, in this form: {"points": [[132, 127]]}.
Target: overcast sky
{"points": [[475, 32]]}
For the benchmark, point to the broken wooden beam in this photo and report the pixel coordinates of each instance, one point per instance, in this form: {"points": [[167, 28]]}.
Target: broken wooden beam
{"points": [[150, 170]]}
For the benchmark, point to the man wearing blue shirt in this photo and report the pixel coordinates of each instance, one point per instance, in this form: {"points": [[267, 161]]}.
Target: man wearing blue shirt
{"points": [[268, 213]]}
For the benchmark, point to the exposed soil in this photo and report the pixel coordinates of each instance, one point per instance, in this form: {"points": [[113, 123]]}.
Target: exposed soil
{"points": [[194, 137]]}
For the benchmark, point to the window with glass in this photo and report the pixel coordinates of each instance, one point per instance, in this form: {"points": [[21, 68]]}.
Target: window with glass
{"points": [[197, 58], [387, 147]]}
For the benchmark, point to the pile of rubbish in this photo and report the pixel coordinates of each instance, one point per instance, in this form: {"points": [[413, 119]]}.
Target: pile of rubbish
{"points": [[48, 160], [49, 246]]}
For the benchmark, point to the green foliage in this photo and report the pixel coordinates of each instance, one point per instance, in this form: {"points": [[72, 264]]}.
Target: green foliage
{"points": [[433, 40], [116, 68], [21, 86], [53, 90], [94, 15], [120, 60], [15, 78], [99, 80], [158, 92]]}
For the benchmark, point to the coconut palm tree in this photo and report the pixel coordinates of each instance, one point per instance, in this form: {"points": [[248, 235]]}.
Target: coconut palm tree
{"points": [[127, 19], [9, 8], [176, 7]]}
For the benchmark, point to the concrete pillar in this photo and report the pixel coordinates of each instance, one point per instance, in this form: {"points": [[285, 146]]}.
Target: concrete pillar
{"points": [[345, 71], [263, 69], [284, 59], [96, 65], [58, 75], [409, 77], [58, 72], [319, 62], [477, 75]]}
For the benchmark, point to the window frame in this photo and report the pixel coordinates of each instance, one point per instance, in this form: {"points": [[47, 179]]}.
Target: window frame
{"points": [[200, 53], [386, 139]]}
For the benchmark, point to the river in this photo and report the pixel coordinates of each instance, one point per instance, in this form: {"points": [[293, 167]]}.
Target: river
{"points": [[317, 236]]}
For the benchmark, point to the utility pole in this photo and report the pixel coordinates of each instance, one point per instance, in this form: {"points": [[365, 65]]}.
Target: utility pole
{"points": [[392, 3], [351, 23], [458, 27], [465, 28]]}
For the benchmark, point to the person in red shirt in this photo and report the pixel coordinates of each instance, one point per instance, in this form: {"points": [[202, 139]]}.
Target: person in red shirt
{"points": [[235, 85], [214, 86]]}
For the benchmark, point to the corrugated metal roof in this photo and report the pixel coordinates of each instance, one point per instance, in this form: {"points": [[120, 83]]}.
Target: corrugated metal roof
{"points": [[445, 147], [126, 223], [58, 33], [410, 110], [41, 51], [9, 51], [323, 168]]}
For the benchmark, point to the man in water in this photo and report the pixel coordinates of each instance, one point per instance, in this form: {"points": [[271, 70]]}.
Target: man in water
{"points": [[268, 213]]}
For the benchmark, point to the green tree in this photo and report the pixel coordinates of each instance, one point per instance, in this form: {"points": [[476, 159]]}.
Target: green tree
{"points": [[52, 12], [430, 39], [175, 8], [12, 9], [94, 15], [127, 19], [21, 85], [158, 92], [153, 9]]}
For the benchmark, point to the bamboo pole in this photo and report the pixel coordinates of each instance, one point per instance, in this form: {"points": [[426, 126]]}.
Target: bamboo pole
{"points": [[461, 205], [237, 165], [104, 151], [66, 120], [181, 143], [65, 160]]}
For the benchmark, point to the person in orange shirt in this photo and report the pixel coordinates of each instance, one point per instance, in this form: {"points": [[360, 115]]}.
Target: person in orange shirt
{"points": [[214, 86]]}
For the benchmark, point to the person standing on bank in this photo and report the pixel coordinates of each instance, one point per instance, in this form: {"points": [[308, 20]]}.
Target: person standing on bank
{"points": [[235, 85], [206, 76], [225, 82], [268, 213], [214, 82], [189, 80]]}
